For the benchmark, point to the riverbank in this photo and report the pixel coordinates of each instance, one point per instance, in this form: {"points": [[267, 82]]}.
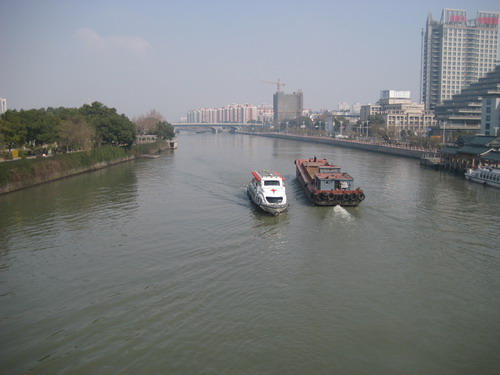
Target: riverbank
{"points": [[386, 148], [22, 173]]}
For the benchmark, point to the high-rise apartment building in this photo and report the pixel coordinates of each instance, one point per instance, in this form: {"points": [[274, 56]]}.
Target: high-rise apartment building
{"points": [[3, 105], [287, 106], [456, 53]]}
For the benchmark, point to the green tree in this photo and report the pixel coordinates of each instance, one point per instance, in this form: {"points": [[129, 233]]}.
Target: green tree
{"points": [[12, 129], [298, 122], [164, 130], [65, 113], [12, 134], [378, 127], [111, 128], [76, 134], [338, 121], [376, 119], [34, 126], [41, 126]]}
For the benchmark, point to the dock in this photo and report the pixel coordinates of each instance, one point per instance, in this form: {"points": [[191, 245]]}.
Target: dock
{"points": [[432, 160]]}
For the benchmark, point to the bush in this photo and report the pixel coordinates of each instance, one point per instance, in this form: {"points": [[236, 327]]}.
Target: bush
{"points": [[18, 170], [147, 148]]}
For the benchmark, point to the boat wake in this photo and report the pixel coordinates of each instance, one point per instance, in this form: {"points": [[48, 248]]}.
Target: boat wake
{"points": [[342, 212]]}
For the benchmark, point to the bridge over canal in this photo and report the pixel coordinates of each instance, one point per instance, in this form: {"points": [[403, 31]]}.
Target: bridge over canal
{"points": [[215, 127]]}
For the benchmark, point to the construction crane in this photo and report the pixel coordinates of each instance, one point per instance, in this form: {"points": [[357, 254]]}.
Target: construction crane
{"points": [[278, 84]]}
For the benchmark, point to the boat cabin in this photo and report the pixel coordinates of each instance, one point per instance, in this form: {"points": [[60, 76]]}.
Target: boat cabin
{"points": [[267, 178], [329, 169], [333, 181], [488, 174]]}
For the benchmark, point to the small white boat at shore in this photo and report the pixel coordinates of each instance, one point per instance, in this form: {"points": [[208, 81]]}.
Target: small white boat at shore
{"points": [[484, 175], [267, 191], [149, 156], [172, 143]]}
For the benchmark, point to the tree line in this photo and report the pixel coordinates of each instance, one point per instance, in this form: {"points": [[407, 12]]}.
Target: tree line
{"points": [[71, 129]]}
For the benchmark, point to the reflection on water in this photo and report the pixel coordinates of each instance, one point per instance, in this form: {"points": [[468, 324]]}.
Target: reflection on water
{"points": [[164, 266], [66, 205]]}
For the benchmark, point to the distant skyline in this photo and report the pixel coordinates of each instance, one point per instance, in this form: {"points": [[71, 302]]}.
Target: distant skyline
{"points": [[174, 56]]}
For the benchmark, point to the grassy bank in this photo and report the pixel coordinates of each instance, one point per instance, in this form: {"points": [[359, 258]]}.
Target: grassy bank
{"points": [[150, 148], [21, 173]]}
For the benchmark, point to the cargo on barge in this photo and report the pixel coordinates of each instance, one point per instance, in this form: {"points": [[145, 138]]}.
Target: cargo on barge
{"points": [[325, 185]]}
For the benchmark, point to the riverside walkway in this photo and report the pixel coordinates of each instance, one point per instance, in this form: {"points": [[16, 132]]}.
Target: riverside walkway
{"points": [[404, 150]]}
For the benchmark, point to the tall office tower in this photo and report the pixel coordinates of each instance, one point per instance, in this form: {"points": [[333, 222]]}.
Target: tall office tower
{"points": [[3, 105], [456, 53], [287, 106]]}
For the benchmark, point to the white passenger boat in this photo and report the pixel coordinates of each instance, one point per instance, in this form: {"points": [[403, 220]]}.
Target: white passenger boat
{"points": [[267, 190], [484, 175]]}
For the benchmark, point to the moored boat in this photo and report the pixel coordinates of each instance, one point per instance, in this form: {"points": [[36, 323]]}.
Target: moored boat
{"points": [[149, 156], [484, 175], [325, 184], [172, 144], [267, 191]]}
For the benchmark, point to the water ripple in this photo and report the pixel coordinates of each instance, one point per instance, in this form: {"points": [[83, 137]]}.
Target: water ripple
{"points": [[165, 266]]}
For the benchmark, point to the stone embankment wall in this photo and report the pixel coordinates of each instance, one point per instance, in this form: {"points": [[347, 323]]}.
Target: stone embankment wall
{"points": [[56, 175], [24, 176], [396, 150]]}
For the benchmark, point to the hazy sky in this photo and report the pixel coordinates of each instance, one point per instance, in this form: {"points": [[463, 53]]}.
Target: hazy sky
{"points": [[177, 55]]}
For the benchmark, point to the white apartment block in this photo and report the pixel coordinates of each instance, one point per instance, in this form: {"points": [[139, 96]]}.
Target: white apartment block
{"points": [[233, 113], [456, 53], [344, 108], [356, 109], [3, 105]]}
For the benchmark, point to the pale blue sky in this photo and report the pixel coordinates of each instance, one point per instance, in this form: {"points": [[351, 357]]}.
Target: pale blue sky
{"points": [[176, 55]]}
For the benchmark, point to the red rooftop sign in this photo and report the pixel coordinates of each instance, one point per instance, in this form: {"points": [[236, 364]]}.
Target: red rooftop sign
{"points": [[487, 20]]}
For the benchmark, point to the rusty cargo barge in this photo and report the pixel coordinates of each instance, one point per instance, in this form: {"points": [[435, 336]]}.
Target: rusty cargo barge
{"points": [[325, 185]]}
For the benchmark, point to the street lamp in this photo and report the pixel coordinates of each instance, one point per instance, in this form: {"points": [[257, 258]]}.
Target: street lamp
{"points": [[444, 131]]}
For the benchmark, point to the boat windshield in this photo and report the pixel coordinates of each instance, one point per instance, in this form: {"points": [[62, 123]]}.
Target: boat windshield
{"points": [[271, 183]]}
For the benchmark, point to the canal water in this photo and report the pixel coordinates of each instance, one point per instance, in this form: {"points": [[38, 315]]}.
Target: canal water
{"points": [[163, 266]]}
